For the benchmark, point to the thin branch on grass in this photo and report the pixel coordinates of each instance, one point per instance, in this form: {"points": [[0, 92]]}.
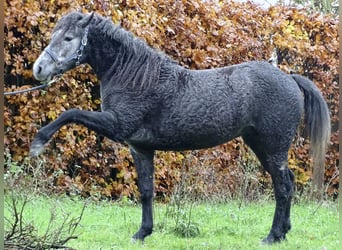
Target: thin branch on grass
{"points": [[22, 235]]}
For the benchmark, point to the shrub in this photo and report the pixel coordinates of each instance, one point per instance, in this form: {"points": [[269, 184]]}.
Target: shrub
{"points": [[198, 34]]}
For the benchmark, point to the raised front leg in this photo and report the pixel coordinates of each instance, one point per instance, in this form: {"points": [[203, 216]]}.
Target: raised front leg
{"points": [[101, 122], [143, 160]]}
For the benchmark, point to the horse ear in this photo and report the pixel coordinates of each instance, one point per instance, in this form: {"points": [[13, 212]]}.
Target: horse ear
{"points": [[86, 20]]}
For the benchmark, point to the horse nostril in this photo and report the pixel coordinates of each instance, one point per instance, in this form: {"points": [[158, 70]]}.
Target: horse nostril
{"points": [[39, 69]]}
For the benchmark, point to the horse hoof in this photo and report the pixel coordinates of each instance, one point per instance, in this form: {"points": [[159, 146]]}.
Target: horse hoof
{"points": [[269, 240], [35, 149], [136, 241]]}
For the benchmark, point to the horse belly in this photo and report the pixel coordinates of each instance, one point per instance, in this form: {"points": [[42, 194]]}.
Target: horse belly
{"points": [[206, 118], [190, 133], [195, 142], [179, 144], [185, 135]]}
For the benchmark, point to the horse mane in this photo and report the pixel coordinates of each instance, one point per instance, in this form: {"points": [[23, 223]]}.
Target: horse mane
{"points": [[137, 64]]}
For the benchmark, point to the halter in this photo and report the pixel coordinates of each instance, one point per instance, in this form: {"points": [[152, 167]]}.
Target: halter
{"points": [[76, 56]]}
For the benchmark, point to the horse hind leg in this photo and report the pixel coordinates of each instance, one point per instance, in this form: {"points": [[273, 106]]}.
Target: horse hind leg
{"points": [[283, 179], [275, 163]]}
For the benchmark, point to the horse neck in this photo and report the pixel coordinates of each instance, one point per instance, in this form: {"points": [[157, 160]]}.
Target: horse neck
{"points": [[101, 54], [122, 59]]}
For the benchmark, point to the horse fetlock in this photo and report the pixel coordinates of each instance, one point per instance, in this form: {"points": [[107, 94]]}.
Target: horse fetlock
{"points": [[36, 148], [37, 145], [287, 226], [142, 233]]}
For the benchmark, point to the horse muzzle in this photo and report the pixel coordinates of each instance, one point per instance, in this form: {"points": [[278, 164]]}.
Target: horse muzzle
{"points": [[45, 68]]}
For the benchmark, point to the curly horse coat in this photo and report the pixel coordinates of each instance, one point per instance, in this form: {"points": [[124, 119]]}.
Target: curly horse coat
{"points": [[151, 103]]}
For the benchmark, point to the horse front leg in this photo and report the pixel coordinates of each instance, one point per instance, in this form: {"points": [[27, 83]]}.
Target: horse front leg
{"points": [[143, 160], [101, 122]]}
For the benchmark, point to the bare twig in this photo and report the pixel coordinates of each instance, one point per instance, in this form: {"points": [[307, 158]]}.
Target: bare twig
{"points": [[22, 235]]}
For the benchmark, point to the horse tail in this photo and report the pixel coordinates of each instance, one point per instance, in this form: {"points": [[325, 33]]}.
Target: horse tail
{"points": [[317, 124]]}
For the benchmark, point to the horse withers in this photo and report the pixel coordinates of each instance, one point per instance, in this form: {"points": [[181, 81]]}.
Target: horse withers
{"points": [[151, 103]]}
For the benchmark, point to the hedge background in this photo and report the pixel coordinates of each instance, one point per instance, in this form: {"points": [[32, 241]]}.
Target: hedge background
{"points": [[198, 34]]}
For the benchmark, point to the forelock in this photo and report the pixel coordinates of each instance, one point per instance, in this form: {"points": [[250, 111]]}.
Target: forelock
{"points": [[69, 20]]}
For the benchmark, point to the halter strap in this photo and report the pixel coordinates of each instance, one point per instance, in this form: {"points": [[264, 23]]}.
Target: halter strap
{"points": [[52, 55], [73, 57]]}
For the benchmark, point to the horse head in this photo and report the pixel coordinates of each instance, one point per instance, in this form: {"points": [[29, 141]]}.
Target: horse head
{"points": [[66, 48]]}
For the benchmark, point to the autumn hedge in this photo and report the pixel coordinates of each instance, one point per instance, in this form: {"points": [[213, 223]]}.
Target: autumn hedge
{"points": [[198, 34]]}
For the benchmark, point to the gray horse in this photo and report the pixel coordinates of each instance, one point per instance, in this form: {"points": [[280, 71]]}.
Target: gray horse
{"points": [[151, 103]]}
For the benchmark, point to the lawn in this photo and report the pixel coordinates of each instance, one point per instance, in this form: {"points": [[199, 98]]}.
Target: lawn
{"points": [[234, 225]]}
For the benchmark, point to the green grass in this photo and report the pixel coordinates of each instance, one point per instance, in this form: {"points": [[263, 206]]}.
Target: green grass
{"points": [[235, 225]]}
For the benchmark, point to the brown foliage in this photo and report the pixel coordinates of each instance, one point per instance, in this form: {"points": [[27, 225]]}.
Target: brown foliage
{"points": [[198, 34]]}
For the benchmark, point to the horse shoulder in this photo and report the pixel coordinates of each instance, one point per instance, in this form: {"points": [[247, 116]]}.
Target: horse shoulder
{"points": [[132, 110]]}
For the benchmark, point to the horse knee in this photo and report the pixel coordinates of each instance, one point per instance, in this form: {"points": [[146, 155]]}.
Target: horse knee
{"points": [[146, 188], [146, 194]]}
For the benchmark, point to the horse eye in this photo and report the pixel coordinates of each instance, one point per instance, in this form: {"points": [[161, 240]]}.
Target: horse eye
{"points": [[68, 38]]}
